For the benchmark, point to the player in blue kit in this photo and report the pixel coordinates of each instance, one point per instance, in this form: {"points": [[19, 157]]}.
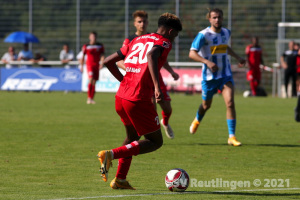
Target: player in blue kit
{"points": [[210, 47]]}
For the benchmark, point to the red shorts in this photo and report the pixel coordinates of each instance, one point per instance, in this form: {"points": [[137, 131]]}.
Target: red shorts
{"points": [[163, 89], [253, 75], [93, 72], [140, 114]]}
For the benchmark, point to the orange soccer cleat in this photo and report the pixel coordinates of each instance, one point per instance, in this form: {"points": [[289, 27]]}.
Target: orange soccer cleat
{"points": [[105, 158], [117, 184], [194, 126], [233, 141]]}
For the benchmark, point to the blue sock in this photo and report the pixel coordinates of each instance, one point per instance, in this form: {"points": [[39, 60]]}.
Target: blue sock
{"points": [[231, 123], [199, 117]]}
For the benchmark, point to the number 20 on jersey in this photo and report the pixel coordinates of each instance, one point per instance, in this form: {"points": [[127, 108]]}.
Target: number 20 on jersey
{"points": [[139, 53]]}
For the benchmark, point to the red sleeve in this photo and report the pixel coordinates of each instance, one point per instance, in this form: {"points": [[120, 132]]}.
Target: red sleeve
{"points": [[124, 50], [126, 42], [165, 44], [247, 49], [298, 61], [84, 49]]}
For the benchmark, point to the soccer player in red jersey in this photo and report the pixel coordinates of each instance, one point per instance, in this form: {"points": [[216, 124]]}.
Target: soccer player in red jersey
{"points": [[140, 18], [95, 53], [143, 58], [254, 55]]}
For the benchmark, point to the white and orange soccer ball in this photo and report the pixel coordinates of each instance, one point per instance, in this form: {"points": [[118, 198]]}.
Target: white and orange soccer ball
{"points": [[177, 180]]}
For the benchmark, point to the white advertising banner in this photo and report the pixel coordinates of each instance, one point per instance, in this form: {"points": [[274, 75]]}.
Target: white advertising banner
{"points": [[106, 83]]}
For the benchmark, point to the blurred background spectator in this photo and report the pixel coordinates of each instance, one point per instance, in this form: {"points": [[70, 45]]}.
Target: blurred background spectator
{"points": [[66, 55], [9, 56]]}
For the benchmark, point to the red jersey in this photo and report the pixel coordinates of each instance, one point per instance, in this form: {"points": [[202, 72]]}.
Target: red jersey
{"points": [[129, 39], [93, 52], [298, 64], [137, 84], [254, 55]]}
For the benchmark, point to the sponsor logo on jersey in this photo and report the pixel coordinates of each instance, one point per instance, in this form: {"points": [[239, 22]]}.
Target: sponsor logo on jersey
{"points": [[222, 48], [148, 36], [97, 47], [255, 49], [133, 70], [35, 81]]}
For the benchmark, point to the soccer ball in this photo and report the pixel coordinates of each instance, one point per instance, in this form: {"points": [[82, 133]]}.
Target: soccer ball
{"points": [[177, 180], [246, 94]]}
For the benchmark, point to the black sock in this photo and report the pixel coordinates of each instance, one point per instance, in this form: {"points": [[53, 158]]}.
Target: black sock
{"points": [[298, 104]]}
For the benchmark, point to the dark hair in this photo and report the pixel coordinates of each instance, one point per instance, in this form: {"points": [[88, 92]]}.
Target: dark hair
{"points": [[170, 20], [94, 33], [140, 13], [216, 10]]}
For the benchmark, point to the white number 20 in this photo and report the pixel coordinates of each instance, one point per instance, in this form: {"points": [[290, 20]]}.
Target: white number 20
{"points": [[142, 50]]}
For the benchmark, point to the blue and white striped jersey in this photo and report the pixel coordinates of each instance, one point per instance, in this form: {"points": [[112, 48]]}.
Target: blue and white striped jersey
{"points": [[213, 46]]}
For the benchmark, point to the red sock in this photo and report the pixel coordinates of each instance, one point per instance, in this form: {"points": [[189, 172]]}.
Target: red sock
{"points": [[93, 91], [89, 91], [166, 117], [127, 150], [253, 86], [123, 167]]}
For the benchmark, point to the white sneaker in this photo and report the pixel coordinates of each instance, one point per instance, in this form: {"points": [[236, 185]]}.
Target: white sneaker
{"points": [[168, 130], [90, 101]]}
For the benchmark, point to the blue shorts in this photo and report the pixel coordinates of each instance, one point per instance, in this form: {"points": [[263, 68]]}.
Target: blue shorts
{"points": [[209, 88]]}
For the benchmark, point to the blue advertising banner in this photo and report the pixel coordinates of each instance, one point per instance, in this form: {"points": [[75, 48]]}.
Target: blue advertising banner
{"points": [[41, 79]]}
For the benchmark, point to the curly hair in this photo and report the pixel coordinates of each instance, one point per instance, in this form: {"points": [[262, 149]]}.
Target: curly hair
{"points": [[170, 20]]}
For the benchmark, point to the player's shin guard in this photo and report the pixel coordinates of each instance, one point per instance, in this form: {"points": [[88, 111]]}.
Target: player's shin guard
{"points": [[253, 86], [93, 91], [199, 117], [128, 150], [89, 91], [297, 110], [231, 123], [123, 167], [298, 103], [166, 117]]}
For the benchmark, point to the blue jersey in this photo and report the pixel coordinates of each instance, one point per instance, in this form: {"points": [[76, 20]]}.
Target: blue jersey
{"points": [[213, 46]]}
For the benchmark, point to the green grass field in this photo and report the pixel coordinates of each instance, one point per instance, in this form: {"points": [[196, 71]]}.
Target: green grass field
{"points": [[49, 143]]}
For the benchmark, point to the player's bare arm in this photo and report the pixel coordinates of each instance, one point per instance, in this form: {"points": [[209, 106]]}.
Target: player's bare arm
{"points": [[121, 65], [81, 65], [171, 71], [152, 57], [241, 60], [110, 63], [101, 61], [283, 63], [196, 57], [81, 61]]}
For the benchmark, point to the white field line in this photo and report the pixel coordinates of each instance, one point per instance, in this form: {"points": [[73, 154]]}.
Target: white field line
{"points": [[175, 193]]}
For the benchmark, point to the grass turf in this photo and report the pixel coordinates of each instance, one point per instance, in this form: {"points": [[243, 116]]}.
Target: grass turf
{"points": [[49, 143]]}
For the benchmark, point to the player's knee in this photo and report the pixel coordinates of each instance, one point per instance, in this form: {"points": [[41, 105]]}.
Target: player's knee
{"points": [[206, 106], [158, 144], [132, 138], [230, 104]]}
